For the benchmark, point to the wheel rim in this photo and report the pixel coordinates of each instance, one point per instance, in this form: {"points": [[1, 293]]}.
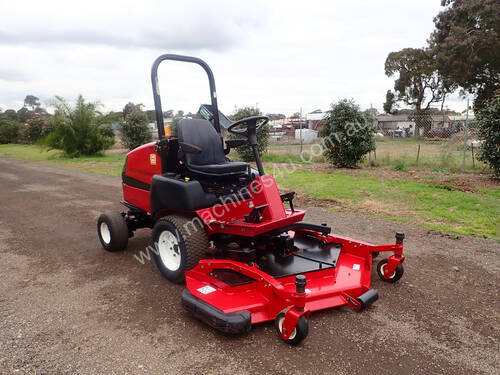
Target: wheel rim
{"points": [[105, 233], [280, 326], [168, 247], [382, 271]]}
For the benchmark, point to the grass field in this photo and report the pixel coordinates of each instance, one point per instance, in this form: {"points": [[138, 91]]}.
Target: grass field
{"points": [[397, 154], [110, 164], [434, 206]]}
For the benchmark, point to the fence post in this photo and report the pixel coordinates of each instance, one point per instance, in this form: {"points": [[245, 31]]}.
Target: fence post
{"points": [[472, 151], [300, 131], [465, 134], [418, 152]]}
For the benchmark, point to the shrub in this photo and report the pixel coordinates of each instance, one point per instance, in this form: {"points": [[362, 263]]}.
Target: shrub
{"points": [[245, 152], [135, 130], [76, 130], [347, 133], [488, 120], [38, 127], [173, 126], [9, 130], [106, 130], [400, 166]]}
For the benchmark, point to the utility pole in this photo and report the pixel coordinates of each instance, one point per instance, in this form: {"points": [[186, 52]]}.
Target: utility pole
{"points": [[300, 131], [465, 134]]}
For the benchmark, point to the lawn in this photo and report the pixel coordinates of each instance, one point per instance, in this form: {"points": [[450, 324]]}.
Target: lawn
{"points": [[110, 164], [434, 206]]}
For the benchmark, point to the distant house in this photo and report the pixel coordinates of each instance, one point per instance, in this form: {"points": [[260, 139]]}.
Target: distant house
{"points": [[314, 119], [404, 125]]}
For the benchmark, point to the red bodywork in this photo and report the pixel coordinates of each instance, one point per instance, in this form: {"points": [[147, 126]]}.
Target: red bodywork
{"points": [[141, 165], [266, 295]]}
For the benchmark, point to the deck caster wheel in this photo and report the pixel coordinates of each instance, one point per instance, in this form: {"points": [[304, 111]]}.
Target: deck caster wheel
{"points": [[112, 231], [299, 333], [177, 249], [396, 275]]}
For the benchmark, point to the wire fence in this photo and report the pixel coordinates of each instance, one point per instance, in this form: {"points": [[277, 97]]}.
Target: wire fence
{"points": [[436, 141]]}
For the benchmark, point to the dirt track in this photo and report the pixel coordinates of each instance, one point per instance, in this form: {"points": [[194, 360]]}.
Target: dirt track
{"points": [[67, 306]]}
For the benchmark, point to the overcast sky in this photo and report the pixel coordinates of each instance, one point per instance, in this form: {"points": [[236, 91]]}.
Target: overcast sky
{"points": [[283, 55]]}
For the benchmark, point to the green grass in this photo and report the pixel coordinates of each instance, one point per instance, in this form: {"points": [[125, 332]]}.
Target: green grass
{"points": [[445, 156], [110, 164], [433, 206], [441, 207]]}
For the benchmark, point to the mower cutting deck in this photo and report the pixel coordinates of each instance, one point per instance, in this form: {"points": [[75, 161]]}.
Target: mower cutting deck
{"points": [[223, 228]]}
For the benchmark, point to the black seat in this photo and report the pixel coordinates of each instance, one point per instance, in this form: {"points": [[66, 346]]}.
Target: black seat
{"points": [[211, 161]]}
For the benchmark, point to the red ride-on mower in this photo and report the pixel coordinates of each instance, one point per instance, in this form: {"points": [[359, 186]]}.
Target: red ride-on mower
{"points": [[222, 227]]}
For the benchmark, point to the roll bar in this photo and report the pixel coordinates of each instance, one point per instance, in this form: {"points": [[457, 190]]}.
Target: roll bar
{"points": [[156, 89]]}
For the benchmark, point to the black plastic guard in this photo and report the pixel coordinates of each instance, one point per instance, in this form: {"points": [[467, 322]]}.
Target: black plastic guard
{"points": [[238, 322]]}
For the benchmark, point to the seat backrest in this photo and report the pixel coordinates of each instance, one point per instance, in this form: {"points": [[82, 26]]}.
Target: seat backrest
{"points": [[201, 133]]}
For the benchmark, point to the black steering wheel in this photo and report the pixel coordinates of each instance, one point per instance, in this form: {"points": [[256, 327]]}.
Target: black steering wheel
{"points": [[252, 127]]}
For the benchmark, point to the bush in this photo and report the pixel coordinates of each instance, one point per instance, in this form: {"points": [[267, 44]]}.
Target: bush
{"points": [[76, 130], [9, 130], [106, 130], [245, 152], [38, 127], [347, 133], [488, 120], [135, 130], [173, 126]]}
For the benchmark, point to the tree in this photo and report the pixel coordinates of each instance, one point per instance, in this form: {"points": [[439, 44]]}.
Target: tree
{"points": [[76, 129], [31, 102], [37, 127], [245, 152], [24, 114], [417, 83], [169, 113], [390, 102], [180, 113], [347, 134], [11, 114], [466, 45], [488, 120], [131, 107], [135, 130], [9, 130]]}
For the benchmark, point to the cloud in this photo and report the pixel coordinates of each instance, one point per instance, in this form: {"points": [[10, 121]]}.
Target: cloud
{"points": [[187, 25], [283, 55]]}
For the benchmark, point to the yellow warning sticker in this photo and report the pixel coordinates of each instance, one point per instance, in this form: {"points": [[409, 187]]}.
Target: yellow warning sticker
{"points": [[152, 159]]}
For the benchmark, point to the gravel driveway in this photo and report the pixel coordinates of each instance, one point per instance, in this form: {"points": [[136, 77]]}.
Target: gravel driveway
{"points": [[67, 306]]}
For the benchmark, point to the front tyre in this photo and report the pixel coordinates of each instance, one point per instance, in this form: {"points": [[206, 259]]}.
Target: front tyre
{"points": [[112, 231], [384, 276], [179, 244], [299, 332]]}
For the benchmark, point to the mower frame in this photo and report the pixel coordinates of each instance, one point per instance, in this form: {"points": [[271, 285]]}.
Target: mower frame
{"points": [[281, 269]]}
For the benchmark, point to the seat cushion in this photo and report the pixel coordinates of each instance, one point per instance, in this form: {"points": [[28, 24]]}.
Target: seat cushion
{"points": [[220, 168], [211, 161]]}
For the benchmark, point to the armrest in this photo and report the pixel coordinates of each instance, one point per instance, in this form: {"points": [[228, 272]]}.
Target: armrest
{"points": [[232, 143], [188, 147]]}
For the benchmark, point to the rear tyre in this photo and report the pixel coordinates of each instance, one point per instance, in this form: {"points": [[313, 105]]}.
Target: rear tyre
{"points": [[112, 231], [396, 275], [179, 245], [299, 333]]}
